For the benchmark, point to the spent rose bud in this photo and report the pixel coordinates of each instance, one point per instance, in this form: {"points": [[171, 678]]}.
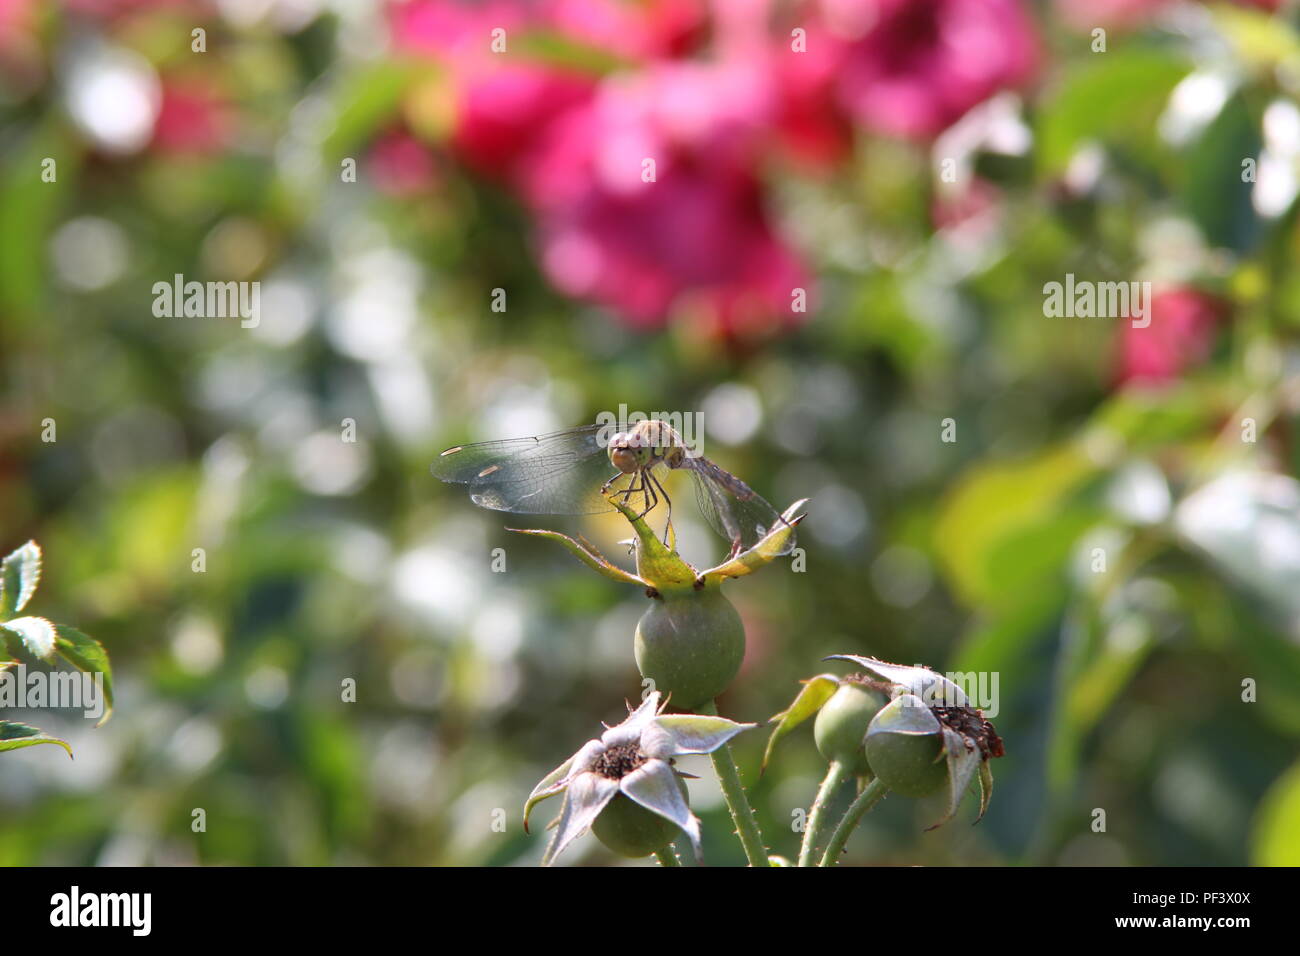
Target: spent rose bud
{"points": [[928, 737], [618, 784]]}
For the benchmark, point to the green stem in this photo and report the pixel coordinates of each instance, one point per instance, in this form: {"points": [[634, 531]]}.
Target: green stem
{"points": [[686, 857], [724, 765], [867, 799], [667, 857], [835, 775]]}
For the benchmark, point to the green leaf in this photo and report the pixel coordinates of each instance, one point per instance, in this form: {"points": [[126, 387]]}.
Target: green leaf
{"points": [[1257, 37], [1115, 100], [768, 549], [584, 552], [29, 207], [15, 736], [18, 579], [29, 639], [1103, 648], [1141, 421], [1275, 840], [1007, 640], [815, 692], [370, 99], [1005, 528], [1214, 192], [86, 654]]}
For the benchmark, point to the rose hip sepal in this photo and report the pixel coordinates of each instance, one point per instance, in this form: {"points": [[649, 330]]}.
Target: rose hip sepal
{"points": [[660, 569], [632, 760], [844, 708]]}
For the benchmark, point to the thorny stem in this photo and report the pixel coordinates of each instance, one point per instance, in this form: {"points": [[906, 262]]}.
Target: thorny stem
{"points": [[835, 775], [724, 765], [667, 857], [867, 799]]}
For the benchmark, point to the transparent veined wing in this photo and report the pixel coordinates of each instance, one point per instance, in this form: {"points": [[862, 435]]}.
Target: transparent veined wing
{"points": [[733, 509], [560, 473]]}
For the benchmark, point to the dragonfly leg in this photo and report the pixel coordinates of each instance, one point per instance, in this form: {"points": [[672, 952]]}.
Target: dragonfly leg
{"points": [[632, 488], [650, 498], [668, 501]]}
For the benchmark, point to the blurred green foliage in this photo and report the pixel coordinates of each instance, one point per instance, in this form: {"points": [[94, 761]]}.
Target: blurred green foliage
{"points": [[326, 562]]}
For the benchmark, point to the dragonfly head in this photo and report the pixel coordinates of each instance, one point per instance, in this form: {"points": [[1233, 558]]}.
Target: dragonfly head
{"points": [[629, 453]]}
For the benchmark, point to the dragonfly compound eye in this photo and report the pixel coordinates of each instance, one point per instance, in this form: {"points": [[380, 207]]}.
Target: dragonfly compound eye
{"points": [[624, 459]]}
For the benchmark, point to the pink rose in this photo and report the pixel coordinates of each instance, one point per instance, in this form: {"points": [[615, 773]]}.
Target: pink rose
{"points": [[637, 31], [914, 67], [502, 104], [463, 29], [697, 237], [501, 117], [813, 125], [401, 165], [1180, 335], [193, 117]]}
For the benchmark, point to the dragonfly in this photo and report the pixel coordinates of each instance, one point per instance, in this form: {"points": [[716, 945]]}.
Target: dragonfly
{"points": [[567, 473]]}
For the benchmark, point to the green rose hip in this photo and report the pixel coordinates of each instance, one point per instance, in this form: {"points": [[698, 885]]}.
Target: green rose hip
{"points": [[841, 725], [629, 829], [691, 645], [910, 764]]}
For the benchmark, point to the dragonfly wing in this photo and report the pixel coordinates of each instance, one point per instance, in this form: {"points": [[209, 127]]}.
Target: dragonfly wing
{"points": [[559, 473], [733, 509]]}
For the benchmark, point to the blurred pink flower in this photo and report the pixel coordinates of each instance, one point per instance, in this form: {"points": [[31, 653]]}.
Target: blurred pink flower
{"points": [[463, 29], [1087, 15], [20, 51], [458, 30], [108, 10], [971, 206], [914, 67], [696, 238], [501, 105], [642, 30], [501, 117], [17, 17], [193, 117], [1183, 321], [401, 165], [813, 126]]}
